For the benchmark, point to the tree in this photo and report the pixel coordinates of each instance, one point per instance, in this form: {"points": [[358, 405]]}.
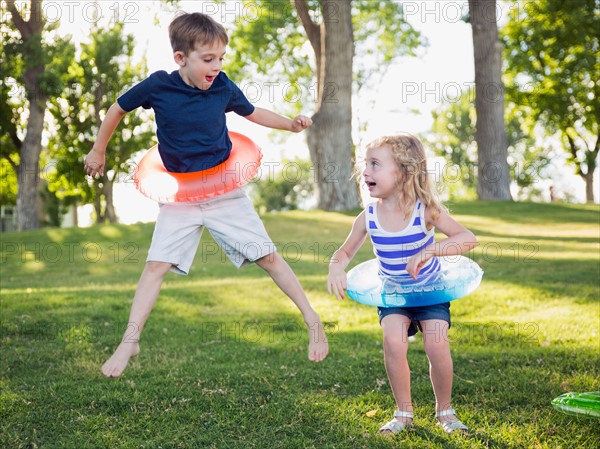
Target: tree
{"points": [[493, 180], [35, 64], [272, 43], [11, 124], [552, 64], [453, 137], [285, 190], [103, 69]]}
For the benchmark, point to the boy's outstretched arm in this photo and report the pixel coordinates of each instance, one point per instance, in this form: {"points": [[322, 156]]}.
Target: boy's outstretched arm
{"points": [[273, 120], [94, 161]]}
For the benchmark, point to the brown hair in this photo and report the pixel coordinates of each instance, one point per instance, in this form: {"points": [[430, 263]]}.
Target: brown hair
{"points": [[414, 183], [190, 29]]}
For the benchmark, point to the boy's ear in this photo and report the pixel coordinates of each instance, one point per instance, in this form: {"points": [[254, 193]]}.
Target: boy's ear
{"points": [[179, 58]]}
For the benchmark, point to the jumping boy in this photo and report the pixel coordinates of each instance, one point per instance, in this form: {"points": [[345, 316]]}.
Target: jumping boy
{"points": [[190, 106]]}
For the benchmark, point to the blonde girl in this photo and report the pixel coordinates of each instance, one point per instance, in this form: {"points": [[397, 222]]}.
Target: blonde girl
{"points": [[401, 224]]}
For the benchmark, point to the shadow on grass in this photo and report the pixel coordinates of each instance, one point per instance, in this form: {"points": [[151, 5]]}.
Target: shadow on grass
{"points": [[527, 212], [193, 379], [506, 211], [534, 238], [556, 277]]}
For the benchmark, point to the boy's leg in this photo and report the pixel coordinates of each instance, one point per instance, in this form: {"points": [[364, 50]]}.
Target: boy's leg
{"points": [[237, 228], [143, 302], [395, 349], [287, 281], [437, 348], [176, 236]]}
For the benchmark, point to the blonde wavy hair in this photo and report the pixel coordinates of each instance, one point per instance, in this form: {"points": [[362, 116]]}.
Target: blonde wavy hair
{"points": [[414, 182]]}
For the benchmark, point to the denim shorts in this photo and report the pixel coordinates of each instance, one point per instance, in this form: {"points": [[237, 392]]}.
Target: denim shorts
{"points": [[417, 314]]}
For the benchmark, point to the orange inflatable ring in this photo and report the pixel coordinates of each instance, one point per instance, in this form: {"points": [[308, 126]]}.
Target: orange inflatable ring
{"points": [[154, 181]]}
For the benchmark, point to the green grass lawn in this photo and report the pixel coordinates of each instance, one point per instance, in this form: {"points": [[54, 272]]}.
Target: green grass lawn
{"points": [[223, 361]]}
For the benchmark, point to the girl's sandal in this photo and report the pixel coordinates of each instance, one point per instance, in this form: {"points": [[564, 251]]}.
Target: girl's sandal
{"points": [[394, 426], [450, 425]]}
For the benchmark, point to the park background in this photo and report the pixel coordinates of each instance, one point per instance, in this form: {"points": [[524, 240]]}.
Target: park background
{"points": [[223, 362], [442, 71], [431, 79]]}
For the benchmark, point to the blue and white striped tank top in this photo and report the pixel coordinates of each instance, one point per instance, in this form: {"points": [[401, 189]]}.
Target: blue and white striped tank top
{"points": [[393, 249]]}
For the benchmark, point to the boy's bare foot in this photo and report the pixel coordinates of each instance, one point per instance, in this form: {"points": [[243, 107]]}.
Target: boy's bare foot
{"points": [[318, 347], [117, 362]]}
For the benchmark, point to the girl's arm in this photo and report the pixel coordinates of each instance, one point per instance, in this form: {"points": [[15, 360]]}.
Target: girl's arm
{"points": [[336, 281], [94, 161], [270, 119], [459, 240]]}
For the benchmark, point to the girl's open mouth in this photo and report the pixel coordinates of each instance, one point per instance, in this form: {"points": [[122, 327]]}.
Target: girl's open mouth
{"points": [[210, 79]]}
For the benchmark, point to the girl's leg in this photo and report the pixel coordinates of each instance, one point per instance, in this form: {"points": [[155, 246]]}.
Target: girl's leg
{"points": [[286, 280], [143, 302], [395, 349], [437, 348]]}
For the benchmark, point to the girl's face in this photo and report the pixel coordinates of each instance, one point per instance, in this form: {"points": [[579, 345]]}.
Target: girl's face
{"points": [[381, 173], [200, 68]]}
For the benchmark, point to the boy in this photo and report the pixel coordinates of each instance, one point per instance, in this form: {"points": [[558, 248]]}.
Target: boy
{"points": [[190, 106]]}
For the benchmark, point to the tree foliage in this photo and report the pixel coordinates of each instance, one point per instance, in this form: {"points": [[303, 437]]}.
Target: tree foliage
{"points": [[551, 49], [11, 124], [273, 42], [33, 59], [453, 137], [318, 53], [288, 189], [104, 68]]}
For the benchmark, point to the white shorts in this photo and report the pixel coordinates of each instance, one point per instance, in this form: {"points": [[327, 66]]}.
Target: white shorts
{"points": [[230, 219]]}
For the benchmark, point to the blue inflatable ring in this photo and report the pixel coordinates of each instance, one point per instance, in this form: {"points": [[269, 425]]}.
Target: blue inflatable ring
{"points": [[458, 277]]}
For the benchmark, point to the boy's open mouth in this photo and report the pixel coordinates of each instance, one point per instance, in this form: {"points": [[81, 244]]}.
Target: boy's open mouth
{"points": [[210, 79]]}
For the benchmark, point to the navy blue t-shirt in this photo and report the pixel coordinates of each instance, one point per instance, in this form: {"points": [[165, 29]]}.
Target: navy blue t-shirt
{"points": [[191, 125]]}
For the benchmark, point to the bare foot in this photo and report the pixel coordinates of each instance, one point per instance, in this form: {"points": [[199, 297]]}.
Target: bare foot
{"points": [[318, 347], [117, 362]]}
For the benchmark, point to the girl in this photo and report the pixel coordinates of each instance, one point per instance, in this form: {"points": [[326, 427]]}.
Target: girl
{"points": [[401, 225]]}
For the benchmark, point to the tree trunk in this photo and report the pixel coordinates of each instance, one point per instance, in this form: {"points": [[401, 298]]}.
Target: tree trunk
{"points": [[99, 209], [28, 172], [330, 138], [492, 148], [103, 202], [74, 216], [107, 191], [592, 164], [589, 187], [588, 163]]}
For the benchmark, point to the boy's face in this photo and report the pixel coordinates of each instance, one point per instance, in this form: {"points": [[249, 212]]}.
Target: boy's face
{"points": [[200, 67]]}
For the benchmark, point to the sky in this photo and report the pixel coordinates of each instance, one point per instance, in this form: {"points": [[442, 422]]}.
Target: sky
{"points": [[400, 100]]}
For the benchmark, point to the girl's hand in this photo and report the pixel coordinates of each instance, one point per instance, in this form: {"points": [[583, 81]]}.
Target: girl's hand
{"points": [[94, 163], [300, 123], [416, 262], [336, 283]]}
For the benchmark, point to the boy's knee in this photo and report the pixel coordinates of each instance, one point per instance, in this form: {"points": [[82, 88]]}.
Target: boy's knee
{"points": [[158, 268], [269, 261]]}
